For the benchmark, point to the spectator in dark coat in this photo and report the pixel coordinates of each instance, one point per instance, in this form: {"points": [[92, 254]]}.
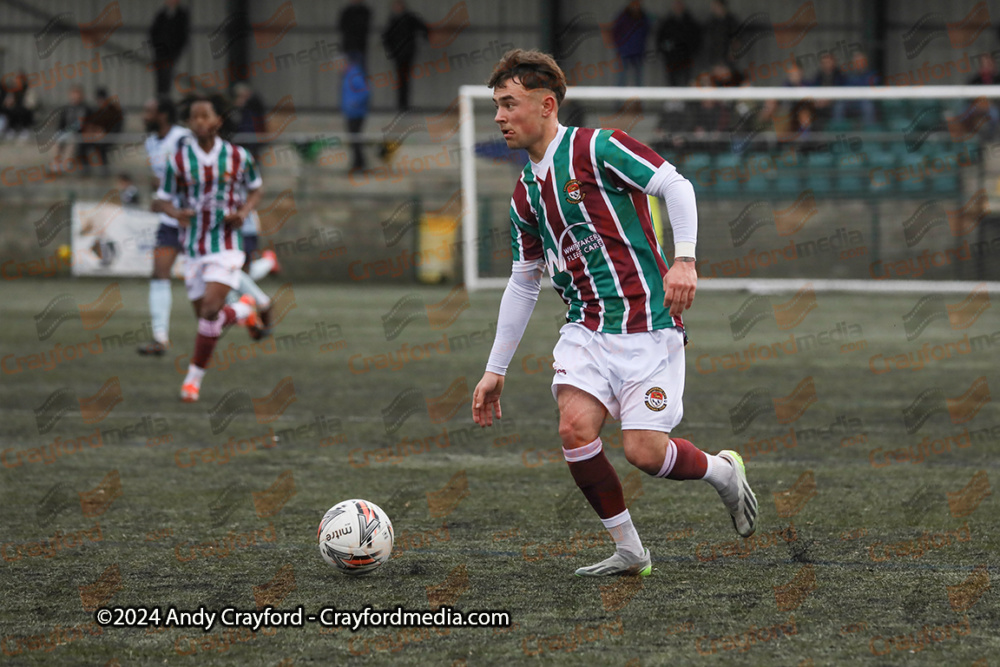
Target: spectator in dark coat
{"points": [[106, 120], [678, 39], [971, 117], [630, 32], [400, 41], [718, 34], [829, 74], [354, 23], [249, 113], [17, 105], [72, 119], [169, 35], [859, 74]]}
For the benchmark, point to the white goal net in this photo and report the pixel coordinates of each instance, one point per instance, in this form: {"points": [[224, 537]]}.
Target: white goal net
{"points": [[849, 189]]}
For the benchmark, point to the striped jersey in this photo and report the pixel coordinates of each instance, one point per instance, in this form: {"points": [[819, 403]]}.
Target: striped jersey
{"points": [[214, 184], [583, 211]]}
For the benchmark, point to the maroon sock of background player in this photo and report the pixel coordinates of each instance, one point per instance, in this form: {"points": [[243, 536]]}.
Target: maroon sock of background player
{"points": [[691, 462], [204, 344], [203, 347], [599, 482]]}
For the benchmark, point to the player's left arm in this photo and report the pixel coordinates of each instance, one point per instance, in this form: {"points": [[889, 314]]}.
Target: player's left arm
{"points": [[640, 167], [253, 199], [254, 183]]}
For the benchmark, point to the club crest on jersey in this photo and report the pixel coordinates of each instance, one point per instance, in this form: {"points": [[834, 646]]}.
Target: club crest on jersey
{"points": [[574, 192], [656, 399]]}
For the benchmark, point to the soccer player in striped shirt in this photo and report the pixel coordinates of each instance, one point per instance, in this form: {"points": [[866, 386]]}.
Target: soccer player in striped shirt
{"points": [[580, 210], [221, 185], [164, 138]]}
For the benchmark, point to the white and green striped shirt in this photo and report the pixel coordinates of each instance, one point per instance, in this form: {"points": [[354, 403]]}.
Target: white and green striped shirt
{"points": [[583, 210], [214, 184]]}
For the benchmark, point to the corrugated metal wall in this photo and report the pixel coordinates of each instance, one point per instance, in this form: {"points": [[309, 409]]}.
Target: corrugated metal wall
{"points": [[481, 30], [294, 65]]}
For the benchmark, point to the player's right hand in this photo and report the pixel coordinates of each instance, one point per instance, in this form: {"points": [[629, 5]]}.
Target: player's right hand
{"points": [[486, 399], [184, 216]]}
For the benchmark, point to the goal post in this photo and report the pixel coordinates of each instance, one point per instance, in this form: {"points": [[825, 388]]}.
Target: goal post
{"points": [[915, 126]]}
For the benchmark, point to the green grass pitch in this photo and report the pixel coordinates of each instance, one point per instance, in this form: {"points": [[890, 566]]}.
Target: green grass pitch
{"points": [[877, 543]]}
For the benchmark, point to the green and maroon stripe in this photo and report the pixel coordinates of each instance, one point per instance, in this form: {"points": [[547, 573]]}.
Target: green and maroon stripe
{"points": [[633, 291]]}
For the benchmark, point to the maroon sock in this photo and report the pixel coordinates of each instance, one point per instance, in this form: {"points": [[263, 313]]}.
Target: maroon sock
{"points": [[598, 480], [203, 348], [228, 316], [208, 335], [690, 462]]}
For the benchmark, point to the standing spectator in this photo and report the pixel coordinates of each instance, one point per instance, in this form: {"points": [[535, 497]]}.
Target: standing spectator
{"points": [[107, 120], [354, 101], [987, 74], [250, 116], [630, 31], [718, 34], [829, 74], [972, 117], [859, 75], [17, 106], [169, 35], [678, 39], [354, 23], [400, 42], [72, 118]]}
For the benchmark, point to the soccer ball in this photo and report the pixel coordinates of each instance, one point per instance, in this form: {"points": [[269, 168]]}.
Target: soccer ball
{"points": [[355, 536]]}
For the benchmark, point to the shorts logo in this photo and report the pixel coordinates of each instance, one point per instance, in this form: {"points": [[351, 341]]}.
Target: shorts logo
{"points": [[573, 191], [559, 370], [656, 399]]}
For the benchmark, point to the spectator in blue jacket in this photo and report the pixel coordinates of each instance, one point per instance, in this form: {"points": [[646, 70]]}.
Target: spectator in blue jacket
{"points": [[630, 31], [354, 102]]}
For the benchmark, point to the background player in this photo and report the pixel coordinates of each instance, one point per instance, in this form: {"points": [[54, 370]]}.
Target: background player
{"points": [[165, 135], [580, 208], [220, 185]]}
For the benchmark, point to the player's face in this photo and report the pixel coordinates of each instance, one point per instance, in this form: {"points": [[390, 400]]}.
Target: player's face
{"points": [[519, 114], [203, 121]]}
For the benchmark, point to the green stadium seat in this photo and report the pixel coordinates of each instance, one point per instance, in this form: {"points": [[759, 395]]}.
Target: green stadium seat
{"points": [[944, 181], [789, 180], [842, 125], [819, 173], [727, 163], [697, 160], [878, 163], [892, 109], [898, 123], [918, 107], [912, 180], [852, 173], [692, 164], [758, 183]]}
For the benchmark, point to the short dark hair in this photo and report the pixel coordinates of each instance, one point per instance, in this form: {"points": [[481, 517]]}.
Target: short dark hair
{"points": [[533, 69], [221, 107], [219, 103], [165, 105]]}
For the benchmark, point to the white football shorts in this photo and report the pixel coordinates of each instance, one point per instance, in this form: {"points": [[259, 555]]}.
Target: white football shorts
{"points": [[639, 377], [218, 267]]}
